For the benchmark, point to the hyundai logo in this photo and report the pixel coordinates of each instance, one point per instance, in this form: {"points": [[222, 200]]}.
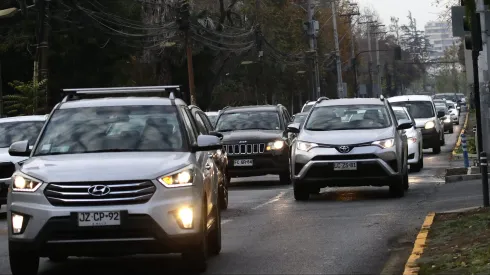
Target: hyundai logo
{"points": [[343, 149], [99, 190]]}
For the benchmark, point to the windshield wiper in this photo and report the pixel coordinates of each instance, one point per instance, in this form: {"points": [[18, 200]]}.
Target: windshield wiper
{"points": [[111, 150], [225, 130]]}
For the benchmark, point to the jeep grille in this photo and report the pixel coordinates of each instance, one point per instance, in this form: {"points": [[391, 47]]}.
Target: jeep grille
{"points": [[244, 149]]}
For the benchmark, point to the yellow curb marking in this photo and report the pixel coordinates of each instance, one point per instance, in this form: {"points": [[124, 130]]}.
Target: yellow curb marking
{"points": [[458, 143], [411, 267]]}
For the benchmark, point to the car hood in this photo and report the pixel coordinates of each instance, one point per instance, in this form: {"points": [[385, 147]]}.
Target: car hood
{"points": [[6, 157], [251, 135], [346, 137], [420, 122], [105, 166]]}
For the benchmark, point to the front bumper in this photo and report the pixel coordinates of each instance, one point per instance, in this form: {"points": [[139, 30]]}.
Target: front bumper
{"points": [[146, 228], [413, 152], [448, 125], [268, 163], [374, 167], [431, 138]]}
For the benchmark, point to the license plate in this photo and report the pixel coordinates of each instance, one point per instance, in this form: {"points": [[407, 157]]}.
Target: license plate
{"points": [[244, 162], [105, 218], [342, 166]]}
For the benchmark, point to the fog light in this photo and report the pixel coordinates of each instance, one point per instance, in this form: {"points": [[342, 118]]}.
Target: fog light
{"points": [[17, 223], [185, 216]]}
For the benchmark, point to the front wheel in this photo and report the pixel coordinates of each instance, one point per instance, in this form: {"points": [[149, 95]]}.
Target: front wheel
{"points": [[23, 263], [397, 187], [437, 149], [214, 237], [301, 193]]}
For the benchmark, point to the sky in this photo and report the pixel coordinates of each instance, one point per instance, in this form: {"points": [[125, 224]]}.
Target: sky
{"points": [[422, 10]]}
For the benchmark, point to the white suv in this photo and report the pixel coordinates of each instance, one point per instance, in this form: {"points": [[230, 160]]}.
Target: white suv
{"points": [[115, 176]]}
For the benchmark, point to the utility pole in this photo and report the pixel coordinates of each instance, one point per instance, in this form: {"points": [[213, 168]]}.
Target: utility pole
{"points": [[353, 47], [370, 63], [378, 64], [340, 88], [311, 36], [184, 25]]}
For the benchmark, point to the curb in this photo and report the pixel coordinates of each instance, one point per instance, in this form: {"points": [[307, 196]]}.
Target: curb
{"points": [[458, 143], [457, 178], [411, 267]]}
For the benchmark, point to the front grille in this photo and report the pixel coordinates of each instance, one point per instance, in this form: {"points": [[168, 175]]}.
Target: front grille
{"points": [[121, 192], [345, 157], [6, 170], [244, 149], [363, 170]]}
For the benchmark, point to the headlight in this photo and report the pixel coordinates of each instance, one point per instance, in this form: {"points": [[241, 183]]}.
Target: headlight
{"points": [[305, 146], [386, 143], [430, 125], [275, 145], [22, 183], [180, 178]]}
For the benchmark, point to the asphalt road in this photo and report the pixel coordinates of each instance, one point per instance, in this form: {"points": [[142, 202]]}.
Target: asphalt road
{"points": [[340, 231]]}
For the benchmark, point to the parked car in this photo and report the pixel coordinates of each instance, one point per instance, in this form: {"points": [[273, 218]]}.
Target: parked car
{"points": [[427, 119], [13, 129], [256, 141], [115, 176], [367, 148], [414, 140], [221, 159]]}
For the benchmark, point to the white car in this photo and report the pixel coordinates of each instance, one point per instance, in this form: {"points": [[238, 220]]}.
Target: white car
{"points": [[414, 138], [309, 104], [453, 108]]}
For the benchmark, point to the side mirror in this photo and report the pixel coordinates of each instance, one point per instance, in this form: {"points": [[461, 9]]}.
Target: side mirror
{"points": [[216, 134], [441, 114], [404, 124], [293, 128], [292, 118], [20, 149], [459, 108], [208, 143]]}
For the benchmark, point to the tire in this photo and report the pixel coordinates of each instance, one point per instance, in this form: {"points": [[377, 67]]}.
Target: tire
{"points": [[23, 263], [223, 194], [419, 165], [315, 191], [301, 193], [457, 123], [196, 256], [406, 183], [397, 187], [58, 258], [451, 130], [214, 237], [443, 141], [437, 149]]}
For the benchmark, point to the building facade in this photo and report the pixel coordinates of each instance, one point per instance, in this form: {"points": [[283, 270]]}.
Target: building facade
{"points": [[440, 37]]}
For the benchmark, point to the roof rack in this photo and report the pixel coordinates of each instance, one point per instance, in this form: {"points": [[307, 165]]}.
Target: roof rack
{"points": [[70, 94], [320, 99]]}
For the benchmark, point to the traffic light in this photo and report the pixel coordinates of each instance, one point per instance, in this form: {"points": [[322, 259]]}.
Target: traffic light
{"points": [[183, 15], [398, 53]]}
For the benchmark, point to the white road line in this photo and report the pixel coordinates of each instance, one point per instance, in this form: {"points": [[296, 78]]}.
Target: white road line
{"points": [[274, 199], [225, 221]]}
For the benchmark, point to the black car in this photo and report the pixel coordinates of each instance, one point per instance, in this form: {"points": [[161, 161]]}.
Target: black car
{"points": [[300, 118], [205, 127], [256, 140]]}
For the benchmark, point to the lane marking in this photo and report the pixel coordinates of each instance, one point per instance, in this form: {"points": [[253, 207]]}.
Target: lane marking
{"points": [[274, 199], [225, 221]]}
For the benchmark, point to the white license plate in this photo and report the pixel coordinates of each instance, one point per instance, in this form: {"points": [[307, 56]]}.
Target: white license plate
{"points": [[342, 166], [103, 218], [244, 162]]}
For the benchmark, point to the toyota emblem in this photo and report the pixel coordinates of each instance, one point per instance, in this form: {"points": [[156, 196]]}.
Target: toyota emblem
{"points": [[344, 149], [99, 190]]}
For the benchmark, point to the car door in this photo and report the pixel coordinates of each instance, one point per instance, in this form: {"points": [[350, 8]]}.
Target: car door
{"points": [[205, 163]]}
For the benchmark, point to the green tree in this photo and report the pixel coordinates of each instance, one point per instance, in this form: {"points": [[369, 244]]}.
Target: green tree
{"points": [[30, 98]]}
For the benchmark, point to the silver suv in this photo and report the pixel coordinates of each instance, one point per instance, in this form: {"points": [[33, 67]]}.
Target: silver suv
{"points": [[115, 176], [349, 142]]}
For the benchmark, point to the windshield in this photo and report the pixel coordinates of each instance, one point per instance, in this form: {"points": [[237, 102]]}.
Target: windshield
{"points": [[417, 109], [401, 114], [348, 117], [11, 132], [213, 118], [253, 120], [299, 118], [307, 108], [112, 129]]}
